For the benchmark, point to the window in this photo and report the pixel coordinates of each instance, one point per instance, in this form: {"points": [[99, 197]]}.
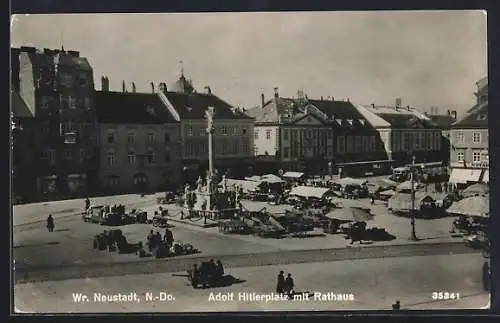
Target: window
{"points": [[189, 130], [70, 138], [417, 140], [372, 144], [167, 137], [256, 134], [44, 128], [131, 158], [437, 140], [167, 157], [329, 151], [476, 156], [52, 156], [86, 103], [460, 156], [286, 152], [340, 144], [66, 80], [329, 134], [476, 137], [71, 102], [44, 102], [150, 157], [349, 144], [245, 147], [235, 131], [223, 130], [68, 125], [236, 146], [268, 134], [130, 138], [150, 138], [113, 181], [406, 141], [357, 144], [365, 144], [460, 136], [66, 154], [81, 155], [244, 131], [309, 134], [285, 134], [111, 138], [83, 80], [111, 158], [203, 131]]}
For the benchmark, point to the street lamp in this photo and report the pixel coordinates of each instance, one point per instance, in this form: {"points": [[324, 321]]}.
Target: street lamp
{"points": [[413, 236]]}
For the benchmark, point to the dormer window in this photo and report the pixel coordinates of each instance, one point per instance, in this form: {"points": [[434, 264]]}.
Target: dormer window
{"points": [[150, 111], [339, 121], [482, 117], [350, 121], [362, 121], [70, 137]]}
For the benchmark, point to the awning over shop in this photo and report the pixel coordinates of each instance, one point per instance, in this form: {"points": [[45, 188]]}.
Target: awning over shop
{"points": [[464, 175], [293, 175], [486, 176], [308, 191]]}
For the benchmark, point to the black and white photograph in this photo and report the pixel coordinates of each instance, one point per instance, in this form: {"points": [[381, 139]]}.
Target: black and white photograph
{"points": [[257, 161]]}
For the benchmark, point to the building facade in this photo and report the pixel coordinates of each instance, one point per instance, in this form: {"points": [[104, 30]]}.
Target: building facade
{"points": [[469, 141], [58, 86], [405, 132], [139, 142], [315, 136], [444, 122], [232, 138], [23, 137]]}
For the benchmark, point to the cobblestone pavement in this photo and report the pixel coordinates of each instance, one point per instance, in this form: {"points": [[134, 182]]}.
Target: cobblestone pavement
{"points": [[374, 284]]}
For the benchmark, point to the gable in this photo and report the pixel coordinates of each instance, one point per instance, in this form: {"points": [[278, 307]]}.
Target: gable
{"points": [[309, 120]]}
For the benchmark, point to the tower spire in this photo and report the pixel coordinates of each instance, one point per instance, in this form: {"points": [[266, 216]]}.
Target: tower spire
{"points": [[62, 37], [181, 63]]}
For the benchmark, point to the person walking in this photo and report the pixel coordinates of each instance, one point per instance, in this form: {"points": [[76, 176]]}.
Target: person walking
{"points": [[50, 223], [289, 284], [280, 285]]}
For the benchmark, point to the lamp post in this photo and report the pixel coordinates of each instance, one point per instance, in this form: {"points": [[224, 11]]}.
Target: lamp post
{"points": [[413, 236]]}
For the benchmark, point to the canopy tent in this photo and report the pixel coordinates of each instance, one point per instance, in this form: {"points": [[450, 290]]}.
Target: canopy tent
{"points": [[351, 181], [353, 214], [463, 175], [476, 189], [472, 206], [245, 185], [384, 183], [406, 186], [403, 202], [308, 191], [388, 193], [293, 175], [271, 179], [254, 178]]}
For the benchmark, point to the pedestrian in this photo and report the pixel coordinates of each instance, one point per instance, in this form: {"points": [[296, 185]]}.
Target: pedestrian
{"points": [[157, 238], [220, 269], [289, 284], [396, 306], [169, 237], [280, 285], [50, 223], [373, 199], [87, 203]]}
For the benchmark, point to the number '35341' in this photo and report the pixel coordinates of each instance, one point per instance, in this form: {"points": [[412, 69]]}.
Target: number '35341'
{"points": [[445, 295]]}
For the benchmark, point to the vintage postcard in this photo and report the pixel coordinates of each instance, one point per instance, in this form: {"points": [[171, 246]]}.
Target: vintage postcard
{"points": [[224, 162]]}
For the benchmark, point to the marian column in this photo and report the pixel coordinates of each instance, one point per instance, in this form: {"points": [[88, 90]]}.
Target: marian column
{"points": [[209, 114]]}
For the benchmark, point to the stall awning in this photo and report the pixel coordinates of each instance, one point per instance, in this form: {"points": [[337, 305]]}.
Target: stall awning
{"points": [[245, 185], [294, 175], [308, 191], [368, 162], [464, 175], [486, 176]]}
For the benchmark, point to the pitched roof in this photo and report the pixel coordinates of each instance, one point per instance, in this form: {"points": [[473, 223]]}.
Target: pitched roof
{"points": [[131, 108], [194, 105], [182, 85], [272, 109], [443, 121], [478, 118], [19, 107], [402, 118]]}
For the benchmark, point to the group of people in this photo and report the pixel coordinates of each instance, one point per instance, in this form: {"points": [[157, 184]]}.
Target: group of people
{"points": [[285, 285], [155, 239], [207, 271]]}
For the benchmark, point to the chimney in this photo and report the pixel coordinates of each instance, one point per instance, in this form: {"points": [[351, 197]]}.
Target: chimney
{"points": [[408, 107], [333, 99], [276, 93], [321, 98], [104, 84], [132, 87], [163, 87], [124, 89], [152, 87], [449, 112], [398, 103], [454, 114], [262, 99], [373, 106], [208, 90]]}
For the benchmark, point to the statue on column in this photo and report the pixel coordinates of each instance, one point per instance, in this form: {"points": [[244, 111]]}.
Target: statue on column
{"points": [[224, 184], [199, 184]]}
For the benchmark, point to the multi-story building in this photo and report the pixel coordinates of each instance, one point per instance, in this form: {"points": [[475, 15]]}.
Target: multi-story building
{"points": [[444, 122], [139, 141], [315, 136], [23, 163], [469, 141], [405, 132], [58, 86], [232, 139]]}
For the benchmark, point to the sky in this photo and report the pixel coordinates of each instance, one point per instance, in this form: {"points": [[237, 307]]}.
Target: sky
{"points": [[427, 58]]}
